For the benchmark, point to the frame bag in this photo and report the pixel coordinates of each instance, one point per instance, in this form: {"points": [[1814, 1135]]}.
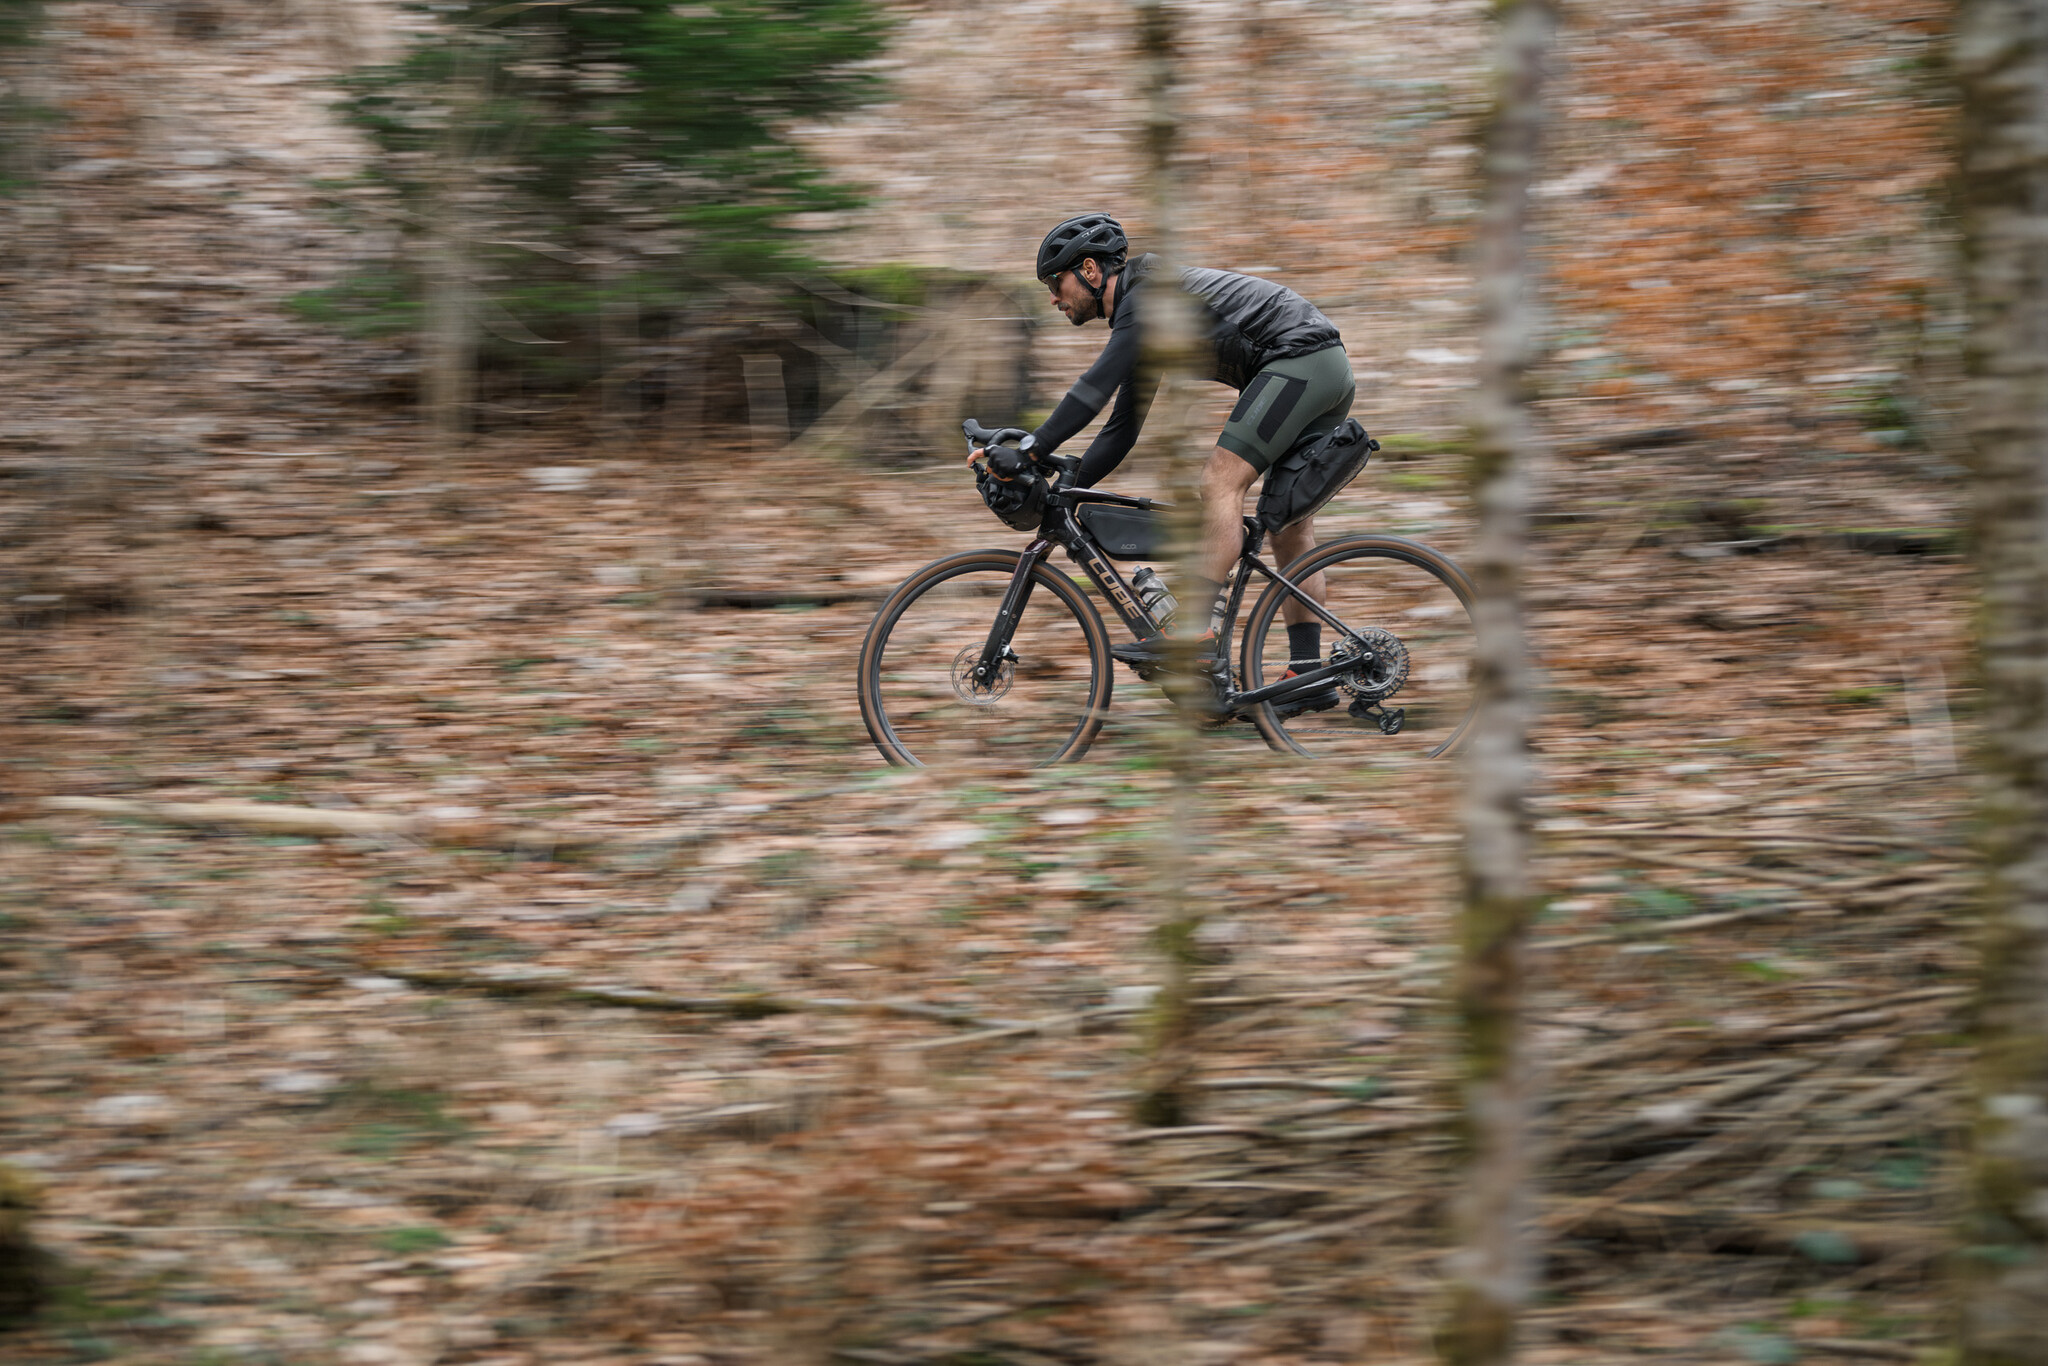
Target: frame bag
{"points": [[1310, 476], [1124, 533]]}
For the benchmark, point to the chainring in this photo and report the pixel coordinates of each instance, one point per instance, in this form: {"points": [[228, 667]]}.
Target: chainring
{"points": [[968, 691], [1381, 664]]}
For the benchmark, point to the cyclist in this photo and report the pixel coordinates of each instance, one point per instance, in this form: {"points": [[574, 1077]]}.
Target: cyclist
{"points": [[1273, 346]]}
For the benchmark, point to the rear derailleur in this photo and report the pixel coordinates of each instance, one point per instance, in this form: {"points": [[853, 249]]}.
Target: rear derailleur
{"points": [[1388, 719]]}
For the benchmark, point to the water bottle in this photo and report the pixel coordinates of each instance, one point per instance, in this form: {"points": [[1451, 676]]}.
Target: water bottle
{"points": [[1152, 592]]}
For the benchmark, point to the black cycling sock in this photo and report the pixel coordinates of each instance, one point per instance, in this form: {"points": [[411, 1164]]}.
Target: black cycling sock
{"points": [[1304, 642]]}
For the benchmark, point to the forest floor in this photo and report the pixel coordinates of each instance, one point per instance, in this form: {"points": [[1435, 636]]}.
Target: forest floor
{"points": [[376, 1099], [764, 1052]]}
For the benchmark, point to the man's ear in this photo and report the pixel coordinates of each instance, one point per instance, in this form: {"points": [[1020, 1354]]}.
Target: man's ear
{"points": [[1093, 269]]}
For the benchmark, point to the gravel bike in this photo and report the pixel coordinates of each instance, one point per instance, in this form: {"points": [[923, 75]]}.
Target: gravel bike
{"points": [[996, 655]]}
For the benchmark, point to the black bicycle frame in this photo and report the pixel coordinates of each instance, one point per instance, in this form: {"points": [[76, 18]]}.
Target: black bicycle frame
{"points": [[1062, 528]]}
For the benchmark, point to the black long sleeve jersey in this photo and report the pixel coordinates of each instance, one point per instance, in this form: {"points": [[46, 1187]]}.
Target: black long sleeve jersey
{"points": [[1249, 322]]}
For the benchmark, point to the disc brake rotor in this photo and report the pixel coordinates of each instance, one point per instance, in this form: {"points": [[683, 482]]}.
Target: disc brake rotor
{"points": [[1381, 664], [973, 693]]}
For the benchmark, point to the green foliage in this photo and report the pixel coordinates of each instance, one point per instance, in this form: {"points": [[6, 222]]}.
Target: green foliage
{"points": [[19, 20], [375, 301], [411, 1242], [1658, 902], [380, 916], [392, 1120], [1758, 1342], [599, 162], [1908, 1172], [1889, 414], [20, 29], [1826, 1245], [1419, 481]]}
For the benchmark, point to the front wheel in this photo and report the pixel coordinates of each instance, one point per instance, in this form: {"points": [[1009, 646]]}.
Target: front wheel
{"points": [[1409, 613], [918, 693]]}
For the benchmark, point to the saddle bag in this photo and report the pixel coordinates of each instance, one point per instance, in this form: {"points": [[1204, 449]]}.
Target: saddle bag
{"points": [[1310, 476], [1125, 533]]}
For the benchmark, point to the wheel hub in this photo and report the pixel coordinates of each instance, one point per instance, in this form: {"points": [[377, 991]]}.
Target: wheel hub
{"points": [[1380, 664], [973, 693]]}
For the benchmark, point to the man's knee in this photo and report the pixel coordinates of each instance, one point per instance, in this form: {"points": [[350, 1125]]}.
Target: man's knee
{"points": [[1226, 474]]}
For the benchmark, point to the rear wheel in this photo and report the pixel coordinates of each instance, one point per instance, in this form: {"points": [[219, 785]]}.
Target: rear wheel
{"points": [[1410, 688], [918, 694]]}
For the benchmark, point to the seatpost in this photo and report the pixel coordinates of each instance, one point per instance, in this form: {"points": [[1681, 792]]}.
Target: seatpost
{"points": [[1254, 538]]}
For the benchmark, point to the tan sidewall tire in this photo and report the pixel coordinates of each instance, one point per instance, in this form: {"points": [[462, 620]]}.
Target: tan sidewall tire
{"points": [[1343, 548], [1043, 576]]}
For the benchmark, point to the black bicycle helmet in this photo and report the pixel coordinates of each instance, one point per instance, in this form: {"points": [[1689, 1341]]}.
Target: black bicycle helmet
{"points": [[1077, 239]]}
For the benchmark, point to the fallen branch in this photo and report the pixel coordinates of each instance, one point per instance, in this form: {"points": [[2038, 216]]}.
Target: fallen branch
{"points": [[1851, 1007], [1247, 1131], [1397, 1207], [1727, 1231], [756, 598], [1753, 1130], [835, 421], [1765, 798], [740, 1006], [1856, 1347], [1554, 830], [1697, 1105], [1737, 871], [465, 830], [1653, 929], [460, 831]]}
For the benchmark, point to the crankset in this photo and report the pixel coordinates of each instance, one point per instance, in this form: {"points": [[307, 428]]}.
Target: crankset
{"points": [[1379, 665]]}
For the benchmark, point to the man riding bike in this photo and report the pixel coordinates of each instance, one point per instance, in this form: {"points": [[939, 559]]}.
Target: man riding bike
{"points": [[1273, 346]]}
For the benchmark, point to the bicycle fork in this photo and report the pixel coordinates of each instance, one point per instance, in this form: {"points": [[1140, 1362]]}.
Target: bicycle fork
{"points": [[995, 651]]}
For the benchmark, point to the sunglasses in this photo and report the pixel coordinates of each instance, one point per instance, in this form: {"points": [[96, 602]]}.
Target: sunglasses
{"points": [[1052, 281]]}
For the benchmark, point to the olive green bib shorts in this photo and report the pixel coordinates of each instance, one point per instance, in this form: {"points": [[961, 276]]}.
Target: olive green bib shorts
{"points": [[1289, 401]]}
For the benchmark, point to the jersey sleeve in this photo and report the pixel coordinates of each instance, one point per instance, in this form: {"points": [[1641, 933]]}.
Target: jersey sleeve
{"points": [[1120, 433], [1113, 370]]}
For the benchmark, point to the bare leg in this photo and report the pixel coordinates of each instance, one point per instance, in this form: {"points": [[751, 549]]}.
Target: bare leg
{"points": [[1225, 481], [1291, 543]]}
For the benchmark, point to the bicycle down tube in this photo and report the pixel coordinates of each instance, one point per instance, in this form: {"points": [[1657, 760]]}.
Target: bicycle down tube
{"points": [[1096, 565]]}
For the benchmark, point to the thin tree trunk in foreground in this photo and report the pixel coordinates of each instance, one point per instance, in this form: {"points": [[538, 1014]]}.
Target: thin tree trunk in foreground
{"points": [[1165, 1095], [24, 1266], [448, 339], [2001, 58], [1492, 1270]]}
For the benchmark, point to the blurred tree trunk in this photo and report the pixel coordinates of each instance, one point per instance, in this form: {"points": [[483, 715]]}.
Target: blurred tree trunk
{"points": [[2001, 59], [449, 331], [1165, 1090], [449, 390], [1492, 1270], [24, 1267]]}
